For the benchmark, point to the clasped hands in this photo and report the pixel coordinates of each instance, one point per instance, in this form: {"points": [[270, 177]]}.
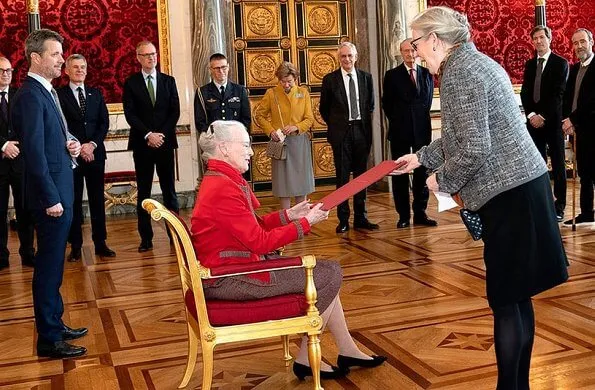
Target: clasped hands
{"points": [[155, 140], [567, 126], [12, 150], [411, 163], [286, 130], [307, 210]]}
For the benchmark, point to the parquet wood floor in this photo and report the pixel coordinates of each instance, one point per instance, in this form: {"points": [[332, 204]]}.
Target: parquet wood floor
{"points": [[415, 295]]}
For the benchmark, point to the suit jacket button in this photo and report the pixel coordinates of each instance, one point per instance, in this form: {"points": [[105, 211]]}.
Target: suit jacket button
{"points": [[223, 104]]}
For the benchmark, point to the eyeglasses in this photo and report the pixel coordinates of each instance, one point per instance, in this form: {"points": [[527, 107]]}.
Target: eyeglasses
{"points": [[147, 55], [6, 71], [218, 68], [414, 45]]}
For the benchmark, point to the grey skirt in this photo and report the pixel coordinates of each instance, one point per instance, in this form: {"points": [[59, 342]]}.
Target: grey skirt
{"points": [[327, 278], [294, 176]]}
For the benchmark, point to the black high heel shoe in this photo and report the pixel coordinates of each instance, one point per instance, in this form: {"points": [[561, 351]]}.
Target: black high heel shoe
{"points": [[302, 371], [344, 362]]}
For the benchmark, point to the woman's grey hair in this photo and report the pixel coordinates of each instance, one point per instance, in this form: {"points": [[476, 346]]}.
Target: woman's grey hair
{"points": [[219, 131], [287, 69], [450, 26]]}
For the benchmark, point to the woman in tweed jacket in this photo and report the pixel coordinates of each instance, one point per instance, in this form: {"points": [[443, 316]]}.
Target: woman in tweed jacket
{"points": [[487, 157], [226, 230]]}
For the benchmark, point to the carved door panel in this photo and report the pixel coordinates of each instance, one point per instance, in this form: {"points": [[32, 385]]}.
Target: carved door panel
{"points": [[304, 32]]}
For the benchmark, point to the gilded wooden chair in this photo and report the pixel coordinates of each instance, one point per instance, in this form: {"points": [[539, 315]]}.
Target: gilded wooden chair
{"points": [[217, 322]]}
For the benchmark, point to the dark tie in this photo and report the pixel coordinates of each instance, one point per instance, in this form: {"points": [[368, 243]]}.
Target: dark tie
{"points": [[4, 106], [222, 90], [412, 75], [69, 137], [82, 101], [151, 89], [537, 85], [352, 98]]}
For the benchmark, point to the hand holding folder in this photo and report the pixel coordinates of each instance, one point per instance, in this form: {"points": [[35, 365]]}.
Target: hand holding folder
{"points": [[364, 180]]}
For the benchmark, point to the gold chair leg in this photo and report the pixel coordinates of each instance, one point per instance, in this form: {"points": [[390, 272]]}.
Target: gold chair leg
{"points": [[314, 356], [192, 353], [207, 365], [286, 355]]}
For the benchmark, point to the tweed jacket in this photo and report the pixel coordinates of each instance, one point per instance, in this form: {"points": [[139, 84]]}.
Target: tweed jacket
{"points": [[485, 148]]}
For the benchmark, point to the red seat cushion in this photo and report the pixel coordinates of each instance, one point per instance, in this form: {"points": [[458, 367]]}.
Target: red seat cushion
{"points": [[223, 313], [119, 176]]}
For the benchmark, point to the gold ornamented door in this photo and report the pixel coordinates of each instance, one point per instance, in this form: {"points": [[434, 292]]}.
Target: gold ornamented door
{"points": [[304, 32]]}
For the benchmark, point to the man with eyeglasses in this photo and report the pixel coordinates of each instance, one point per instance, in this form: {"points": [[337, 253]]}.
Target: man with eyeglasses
{"points": [[11, 176], [220, 99], [406, 101], [152, 109]]}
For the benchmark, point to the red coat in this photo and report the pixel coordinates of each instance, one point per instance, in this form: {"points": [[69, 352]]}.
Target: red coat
{"points": [[225, 228]]}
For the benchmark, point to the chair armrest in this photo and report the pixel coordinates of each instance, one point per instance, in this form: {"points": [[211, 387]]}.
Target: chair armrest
{"points": [[260, 266]]}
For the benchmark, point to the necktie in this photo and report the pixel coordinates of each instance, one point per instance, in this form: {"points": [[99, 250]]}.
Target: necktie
{"points": [[222, 90], [537, 85], [151, 89], [82, 101], [412, 75], [69, 137], [354, 109], [4, 106]]}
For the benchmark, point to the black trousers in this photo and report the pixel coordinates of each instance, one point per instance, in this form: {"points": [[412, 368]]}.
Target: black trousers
{"points": [[401, 185], [586, 172], [11, 177], [551, 141], [93, 175], [352, 156], [145, 163]]}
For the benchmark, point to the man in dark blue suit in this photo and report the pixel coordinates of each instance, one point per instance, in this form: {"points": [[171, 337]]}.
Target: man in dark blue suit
{"points": [[88, 120], [152, 109], [49, 152], [11, 172], [406, 101]]}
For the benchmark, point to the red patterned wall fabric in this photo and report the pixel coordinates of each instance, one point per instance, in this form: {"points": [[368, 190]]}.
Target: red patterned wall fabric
{"points": [[104, 31], [501, 28]]}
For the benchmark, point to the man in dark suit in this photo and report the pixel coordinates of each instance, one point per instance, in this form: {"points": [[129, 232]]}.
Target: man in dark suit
{"points": [[222, 99], [579, 113], [152, 109], [11, 171], [346, 105], [406, 101], [88, 120], [542, 92], [49, 153]]}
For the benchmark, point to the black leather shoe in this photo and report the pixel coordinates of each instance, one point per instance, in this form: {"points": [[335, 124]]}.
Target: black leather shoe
{"points": [[365, 224], [424, 221], [403, 224], [59, 350], [581, 218], [559, 215], [75, 255], [344, 362], [342, 227], [145, 246], [302, 372], [70, 334], [3, 264], [104, 251]]}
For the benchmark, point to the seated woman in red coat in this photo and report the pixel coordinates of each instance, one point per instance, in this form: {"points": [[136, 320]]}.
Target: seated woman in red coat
{"points": [[226, 230]]}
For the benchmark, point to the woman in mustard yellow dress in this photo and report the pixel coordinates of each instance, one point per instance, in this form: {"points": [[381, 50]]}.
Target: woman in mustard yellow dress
{"points": [[288, 107]]}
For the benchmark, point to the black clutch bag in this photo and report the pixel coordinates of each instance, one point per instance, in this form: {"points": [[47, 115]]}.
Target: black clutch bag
{"points": [[472, 222]]}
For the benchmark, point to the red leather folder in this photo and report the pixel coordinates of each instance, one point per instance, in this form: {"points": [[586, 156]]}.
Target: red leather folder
{"points": [[359, 183]]}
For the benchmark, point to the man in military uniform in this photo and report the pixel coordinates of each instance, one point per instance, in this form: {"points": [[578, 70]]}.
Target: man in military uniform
{"points": [[220, 99]]}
